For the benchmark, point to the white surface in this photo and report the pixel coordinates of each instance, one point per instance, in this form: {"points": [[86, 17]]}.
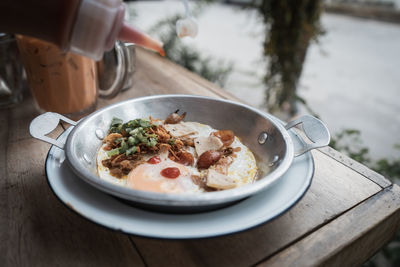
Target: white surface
{"points": [[105, 210], [351, 79]]}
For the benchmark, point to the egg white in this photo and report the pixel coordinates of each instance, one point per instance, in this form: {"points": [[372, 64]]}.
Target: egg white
{"points": [[244, 167], [150, 175]]}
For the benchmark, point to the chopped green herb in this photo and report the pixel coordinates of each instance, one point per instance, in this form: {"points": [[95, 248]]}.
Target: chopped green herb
{"points": [[143, 139], [137, 134], [136, 131], [118, 140], [113, 130], [116, 121], [124, 147], [145, 123], [131, 141], [131, 150], [150, 135], [113, 152], [152, 142], [171, 141]]}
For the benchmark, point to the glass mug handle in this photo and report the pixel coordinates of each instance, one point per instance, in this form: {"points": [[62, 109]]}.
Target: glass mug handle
{"points": [[121, 72]]}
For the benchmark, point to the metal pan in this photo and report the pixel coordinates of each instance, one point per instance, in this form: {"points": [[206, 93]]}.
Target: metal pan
{"points": [[262, 133]]}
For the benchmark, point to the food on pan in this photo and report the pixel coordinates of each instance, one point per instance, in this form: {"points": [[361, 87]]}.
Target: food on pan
{"points": [[173, 156]]}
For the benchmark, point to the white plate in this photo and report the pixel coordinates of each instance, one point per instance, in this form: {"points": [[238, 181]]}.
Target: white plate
{"points": [[109, 212]]}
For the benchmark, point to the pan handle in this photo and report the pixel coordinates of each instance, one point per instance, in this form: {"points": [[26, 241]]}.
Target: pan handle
{"points": [[314, 129], [45, 124]]}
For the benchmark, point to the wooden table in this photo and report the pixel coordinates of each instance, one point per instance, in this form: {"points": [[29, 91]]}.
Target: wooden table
{"points": [[347, 215]]}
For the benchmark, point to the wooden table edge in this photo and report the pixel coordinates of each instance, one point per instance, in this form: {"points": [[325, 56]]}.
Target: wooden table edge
{"points": [[340, 241], [356, 166]]}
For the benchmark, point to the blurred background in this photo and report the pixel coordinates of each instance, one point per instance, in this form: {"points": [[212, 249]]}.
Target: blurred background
{"points": [[338, 60]]}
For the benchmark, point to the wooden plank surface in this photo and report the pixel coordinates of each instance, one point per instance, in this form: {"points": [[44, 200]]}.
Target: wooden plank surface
{"points": [[350, 239], [334, 190], [356, 166], [37, 230], [4, 233]]}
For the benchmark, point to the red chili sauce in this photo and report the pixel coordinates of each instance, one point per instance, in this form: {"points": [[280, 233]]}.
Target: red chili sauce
{"points": [[154, 160], [170, 173]]}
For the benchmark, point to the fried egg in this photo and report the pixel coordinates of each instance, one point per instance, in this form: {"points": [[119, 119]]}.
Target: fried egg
{"points": [[148, 177]]}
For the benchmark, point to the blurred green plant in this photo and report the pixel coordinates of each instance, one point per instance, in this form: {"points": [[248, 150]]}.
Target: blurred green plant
{"points": [[291, 26], [349, 142], [389, 168], [214, 70]]}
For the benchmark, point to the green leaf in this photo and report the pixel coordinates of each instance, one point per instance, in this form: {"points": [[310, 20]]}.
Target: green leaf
{"points": [[150, 135], [123, 148], [113, 152], [145, 123], [132, 141], [114, 130], [143, 139], [118, 140], [171, 141], [116, 121], [131, 151], [152, 142]]}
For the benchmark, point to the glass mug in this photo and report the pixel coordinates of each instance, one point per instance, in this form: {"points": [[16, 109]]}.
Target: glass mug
{"points": [[116, 69], [61, 82]]}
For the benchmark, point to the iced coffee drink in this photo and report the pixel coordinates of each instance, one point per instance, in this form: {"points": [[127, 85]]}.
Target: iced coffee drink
{"points": [[60, 82]]}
